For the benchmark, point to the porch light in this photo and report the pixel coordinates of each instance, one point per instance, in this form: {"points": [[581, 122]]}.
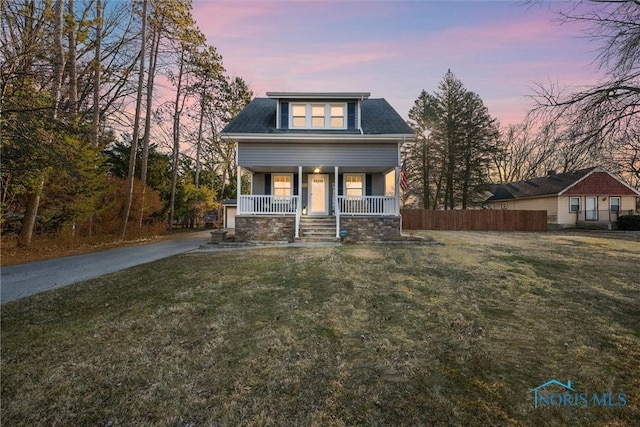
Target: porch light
{"points": [[316, 170]]}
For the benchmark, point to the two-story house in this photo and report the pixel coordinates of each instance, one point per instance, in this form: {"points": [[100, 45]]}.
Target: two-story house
{"points": [[319, 164]]}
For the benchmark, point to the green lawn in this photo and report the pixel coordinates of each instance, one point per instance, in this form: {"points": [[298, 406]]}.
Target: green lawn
{"points": [[450, 334]]}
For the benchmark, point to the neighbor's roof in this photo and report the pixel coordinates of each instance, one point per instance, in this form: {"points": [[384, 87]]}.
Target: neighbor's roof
{"points": [[535, 187], [378, 118]]}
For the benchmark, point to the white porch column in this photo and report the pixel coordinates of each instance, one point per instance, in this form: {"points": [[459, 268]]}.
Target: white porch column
{"points": [[299, 205], [397, 190], [239, 188], [336, 207]]}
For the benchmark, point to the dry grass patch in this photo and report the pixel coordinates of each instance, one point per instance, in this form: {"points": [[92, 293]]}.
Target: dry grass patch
{"points": [[454, 334]]}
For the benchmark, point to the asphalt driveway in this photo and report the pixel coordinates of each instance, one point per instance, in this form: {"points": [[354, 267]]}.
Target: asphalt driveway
{"points": [[22, 280]]}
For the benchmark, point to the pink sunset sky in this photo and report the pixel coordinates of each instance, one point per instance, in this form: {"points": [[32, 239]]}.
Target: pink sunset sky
{"points": [[395, 49]]}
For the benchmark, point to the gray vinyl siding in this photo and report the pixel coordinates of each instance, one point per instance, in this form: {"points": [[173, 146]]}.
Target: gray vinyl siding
{"points": [[283, 154]]}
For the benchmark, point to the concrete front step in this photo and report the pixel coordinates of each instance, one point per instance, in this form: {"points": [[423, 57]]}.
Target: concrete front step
{"points": [[307, 239], [318, 229]]}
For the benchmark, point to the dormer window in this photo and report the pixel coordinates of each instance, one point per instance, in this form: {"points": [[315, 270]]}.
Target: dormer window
{"points": [[318, 116], [318, 111]]}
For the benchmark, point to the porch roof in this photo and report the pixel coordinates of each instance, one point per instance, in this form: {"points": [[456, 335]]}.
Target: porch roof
{"points": [[323, 169]]}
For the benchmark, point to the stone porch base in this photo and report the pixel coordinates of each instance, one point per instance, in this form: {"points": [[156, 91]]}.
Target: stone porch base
{"points": [[268, 228], [370, 228], [265, 228]]}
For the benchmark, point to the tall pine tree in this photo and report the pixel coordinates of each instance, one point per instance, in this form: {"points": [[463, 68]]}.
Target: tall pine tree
{"points": [[448, 165]]}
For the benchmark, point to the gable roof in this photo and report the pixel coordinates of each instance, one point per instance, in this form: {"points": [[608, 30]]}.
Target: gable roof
{"points": [[377, 118], [551, 185]]}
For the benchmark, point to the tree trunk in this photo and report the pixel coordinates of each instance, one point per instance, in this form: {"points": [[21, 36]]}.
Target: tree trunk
{"points": [[30, 214], [95, 126], [176, 141], [153, 55], [136, 124], [58, 65], [72, 66], [33, 197], [199, 141]]}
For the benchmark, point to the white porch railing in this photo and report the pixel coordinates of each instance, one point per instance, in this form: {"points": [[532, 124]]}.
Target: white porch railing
{"points": [[367, 205], [267, 205]]}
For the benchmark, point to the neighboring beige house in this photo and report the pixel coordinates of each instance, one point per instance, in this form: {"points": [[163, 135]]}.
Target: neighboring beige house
{"points": [[586, 197]]}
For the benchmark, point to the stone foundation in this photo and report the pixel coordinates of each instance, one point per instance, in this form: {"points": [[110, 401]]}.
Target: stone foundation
{"points": [[261, 228], [370, 228]]}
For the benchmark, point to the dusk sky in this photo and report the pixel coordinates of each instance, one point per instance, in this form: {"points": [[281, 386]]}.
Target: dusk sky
{"points": [[395, 49]]}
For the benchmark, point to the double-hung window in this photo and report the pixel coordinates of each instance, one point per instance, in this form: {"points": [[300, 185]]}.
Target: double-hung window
{"points": [[354, 185], [318, 116], [337, 115], [282, 186], [298, 116], [614, 204], [574, 204]]}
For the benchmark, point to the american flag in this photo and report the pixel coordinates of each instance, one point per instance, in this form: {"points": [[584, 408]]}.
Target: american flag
{"points": [[403, 176]]}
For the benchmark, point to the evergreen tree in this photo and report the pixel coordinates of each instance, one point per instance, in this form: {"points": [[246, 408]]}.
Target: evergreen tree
{"points": [[449, 163]]}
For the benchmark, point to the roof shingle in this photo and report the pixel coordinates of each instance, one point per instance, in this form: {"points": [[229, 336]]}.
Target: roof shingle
{"points": [[259, 117], [535, 187]]}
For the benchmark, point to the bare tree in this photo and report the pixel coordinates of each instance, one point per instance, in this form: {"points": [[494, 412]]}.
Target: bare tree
{"points": [[95, 124], [605, 115], [136, 123]]}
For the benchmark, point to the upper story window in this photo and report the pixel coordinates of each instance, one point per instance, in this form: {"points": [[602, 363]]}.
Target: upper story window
{"points": [[337, 116], [318, 116], [298, 116]]}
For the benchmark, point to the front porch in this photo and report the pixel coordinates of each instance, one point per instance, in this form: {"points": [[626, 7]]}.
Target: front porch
{"points": [[287, 203], [599, 219]]}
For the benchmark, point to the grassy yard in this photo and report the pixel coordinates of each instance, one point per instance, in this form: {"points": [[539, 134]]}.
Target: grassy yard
{"points": [[389, 335]]}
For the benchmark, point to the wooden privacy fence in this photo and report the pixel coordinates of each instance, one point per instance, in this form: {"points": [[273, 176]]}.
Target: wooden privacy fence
{"points": [[474, 220]]}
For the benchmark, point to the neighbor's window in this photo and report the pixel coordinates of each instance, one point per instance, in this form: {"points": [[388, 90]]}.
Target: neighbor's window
{"points": [[614, 204], [299, 115], [282, 185], [354, 185], [574, 204]]}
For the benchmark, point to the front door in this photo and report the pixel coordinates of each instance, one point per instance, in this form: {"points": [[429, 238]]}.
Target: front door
{"points": [[591, 211], [318, 194]]}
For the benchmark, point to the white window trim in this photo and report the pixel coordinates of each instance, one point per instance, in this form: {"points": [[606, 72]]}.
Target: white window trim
{"points": [[619, 199], [273, 184], [344, 183], [579, 204], [327, 115]]}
